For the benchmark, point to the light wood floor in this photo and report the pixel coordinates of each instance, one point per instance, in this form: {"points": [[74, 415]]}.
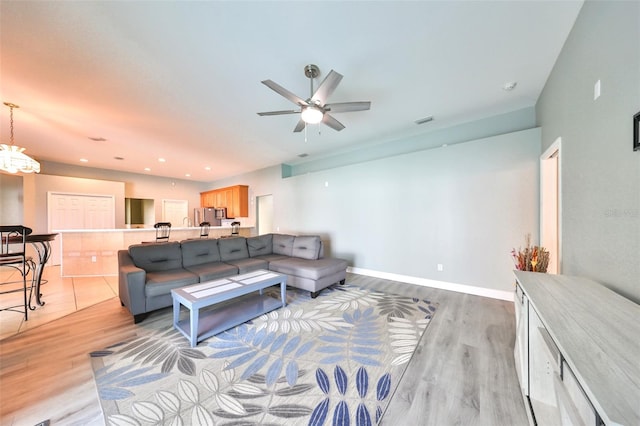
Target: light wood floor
{"points": [[461, 374], [62, 296]]}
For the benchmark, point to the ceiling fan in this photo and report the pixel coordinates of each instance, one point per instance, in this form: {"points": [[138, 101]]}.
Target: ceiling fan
{"points": [[316, 109]]}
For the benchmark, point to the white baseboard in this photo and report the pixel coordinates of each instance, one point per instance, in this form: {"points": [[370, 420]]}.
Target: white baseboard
{"points": [[460, 288]]}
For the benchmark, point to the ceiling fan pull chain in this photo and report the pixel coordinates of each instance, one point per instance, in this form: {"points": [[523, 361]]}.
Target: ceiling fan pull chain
{"points": [[305, 132]]}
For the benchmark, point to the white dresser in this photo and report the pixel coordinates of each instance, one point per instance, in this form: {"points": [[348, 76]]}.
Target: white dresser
{"points": [[577, 351]]}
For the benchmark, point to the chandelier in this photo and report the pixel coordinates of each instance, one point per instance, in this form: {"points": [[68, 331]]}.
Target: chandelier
{"points": [[12, 157]]}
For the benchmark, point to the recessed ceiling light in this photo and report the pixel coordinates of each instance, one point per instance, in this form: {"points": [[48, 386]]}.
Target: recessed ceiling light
{"points": [[147, 169], [509, 86], [162, 160], [187, 174], [207, 168], [84, 160]]}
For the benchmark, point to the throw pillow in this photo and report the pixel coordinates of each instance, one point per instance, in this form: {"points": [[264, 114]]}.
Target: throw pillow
{"points": [[283, 244], [307, 247]]}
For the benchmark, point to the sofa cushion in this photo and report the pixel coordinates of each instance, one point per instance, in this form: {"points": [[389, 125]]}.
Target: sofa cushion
{"points": [[312, 269], [233, 248], [213, 271], [260, 245], [156, 257], [249, 264], [162, 282], [197, 252], [283, 244], [307, 247], [271, 257]]}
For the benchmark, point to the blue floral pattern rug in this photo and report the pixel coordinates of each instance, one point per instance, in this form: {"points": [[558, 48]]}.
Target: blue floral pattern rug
{"points": [[333, 360]]}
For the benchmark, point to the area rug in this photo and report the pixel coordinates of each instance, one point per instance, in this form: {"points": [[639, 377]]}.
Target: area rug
{"points": [[336, 359]]}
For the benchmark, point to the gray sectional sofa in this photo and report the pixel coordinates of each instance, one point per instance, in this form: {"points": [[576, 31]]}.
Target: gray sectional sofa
{"points": [[148, 272]]}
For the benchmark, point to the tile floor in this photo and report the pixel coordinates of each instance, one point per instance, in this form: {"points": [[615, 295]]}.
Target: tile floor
{"points": [[62, 296]]}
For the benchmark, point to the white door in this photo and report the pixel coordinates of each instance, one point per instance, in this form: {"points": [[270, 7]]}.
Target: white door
{"points": [[78, 211], [176, 212]]}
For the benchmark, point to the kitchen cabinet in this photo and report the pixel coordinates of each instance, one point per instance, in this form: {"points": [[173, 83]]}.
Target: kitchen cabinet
{"points": [[234, 198], [207, 199], [576, 356]]}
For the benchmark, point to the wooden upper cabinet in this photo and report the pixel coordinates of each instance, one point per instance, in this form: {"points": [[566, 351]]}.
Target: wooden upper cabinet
{"points": [[234, 198], [207, 199]]}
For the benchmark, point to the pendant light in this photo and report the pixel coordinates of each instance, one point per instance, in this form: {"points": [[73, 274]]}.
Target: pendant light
{"points": [[12, 157]]}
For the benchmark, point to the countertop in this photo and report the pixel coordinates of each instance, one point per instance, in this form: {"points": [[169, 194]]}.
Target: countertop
{"points": [[151, 228], [598, 333]]}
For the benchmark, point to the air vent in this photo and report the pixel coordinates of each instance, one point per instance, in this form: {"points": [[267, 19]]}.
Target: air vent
{"points": [[424, 120]]}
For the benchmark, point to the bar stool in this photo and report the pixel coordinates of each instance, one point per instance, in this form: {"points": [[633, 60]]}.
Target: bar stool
{"points": [[13, 241], [162, 231], [204, 229]]}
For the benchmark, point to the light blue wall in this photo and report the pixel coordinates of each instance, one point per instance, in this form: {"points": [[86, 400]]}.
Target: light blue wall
{"points": [[600, 172], [424, 137], [465, 206]]}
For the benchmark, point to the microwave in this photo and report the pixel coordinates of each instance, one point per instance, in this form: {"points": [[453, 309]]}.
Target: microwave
{"points": [[220, 212]]}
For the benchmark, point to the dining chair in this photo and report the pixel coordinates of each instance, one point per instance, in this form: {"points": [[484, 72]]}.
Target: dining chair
{"points": [[163, 229], [204, 229], [13, 255]]}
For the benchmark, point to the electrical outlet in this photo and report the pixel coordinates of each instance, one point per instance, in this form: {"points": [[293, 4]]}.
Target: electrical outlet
{"points": [[94, 259], [440, 267]]}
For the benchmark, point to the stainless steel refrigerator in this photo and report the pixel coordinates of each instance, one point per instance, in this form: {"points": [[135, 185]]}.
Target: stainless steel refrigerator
{"points": [[205, 214]]}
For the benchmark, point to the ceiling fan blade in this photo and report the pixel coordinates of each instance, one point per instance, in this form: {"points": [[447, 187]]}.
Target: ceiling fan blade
{"points": [[332, 122], [289, 111], [284, 92], [348, 106], [300, 126], [327, 87]]}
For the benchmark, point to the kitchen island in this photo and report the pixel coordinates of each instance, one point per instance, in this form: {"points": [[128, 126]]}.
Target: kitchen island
{"points": [[94, 252]]}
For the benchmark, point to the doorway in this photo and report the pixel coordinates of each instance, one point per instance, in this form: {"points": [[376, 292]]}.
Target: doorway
{"points": [[264, 214], [550, 205]]}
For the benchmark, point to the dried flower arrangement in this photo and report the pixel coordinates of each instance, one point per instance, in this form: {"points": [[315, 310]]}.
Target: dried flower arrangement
{"points": [[531, 258]]}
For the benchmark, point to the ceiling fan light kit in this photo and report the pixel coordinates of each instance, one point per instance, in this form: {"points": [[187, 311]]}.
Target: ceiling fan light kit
{"points": [[315, 109], [12, 157], [311, 115]]}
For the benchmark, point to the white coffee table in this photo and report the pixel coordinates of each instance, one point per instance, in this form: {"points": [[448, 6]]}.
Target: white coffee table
{"points": [[206, 323]]}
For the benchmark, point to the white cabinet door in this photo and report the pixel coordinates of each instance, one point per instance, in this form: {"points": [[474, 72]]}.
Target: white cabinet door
{"points": [[544, 366]]}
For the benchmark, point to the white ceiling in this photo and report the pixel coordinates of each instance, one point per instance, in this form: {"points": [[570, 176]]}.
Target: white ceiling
{"points": [[181, 80]]}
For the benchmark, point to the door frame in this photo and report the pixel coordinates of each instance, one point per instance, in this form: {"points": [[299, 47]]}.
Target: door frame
{"points": [[547, 213], [264, 214]]}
